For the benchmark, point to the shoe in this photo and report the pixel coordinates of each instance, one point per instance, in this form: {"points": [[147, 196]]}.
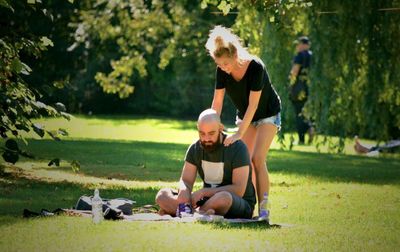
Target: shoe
{"points": [[298, 143], [27, 213], [45, 213]]}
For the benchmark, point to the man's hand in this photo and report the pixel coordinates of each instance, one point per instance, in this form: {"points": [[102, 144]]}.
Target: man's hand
{"points": [[184, 196], [198, 195]]}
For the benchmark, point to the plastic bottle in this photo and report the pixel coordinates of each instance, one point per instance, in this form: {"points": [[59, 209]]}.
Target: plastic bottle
{"points": [[264, 208], [97, 207]]}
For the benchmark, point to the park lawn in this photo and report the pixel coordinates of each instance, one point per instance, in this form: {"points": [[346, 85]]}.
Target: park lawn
{"points": [[335, 202]]}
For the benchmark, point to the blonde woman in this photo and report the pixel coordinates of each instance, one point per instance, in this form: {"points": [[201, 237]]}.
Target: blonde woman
{"points": [[244, 78]]}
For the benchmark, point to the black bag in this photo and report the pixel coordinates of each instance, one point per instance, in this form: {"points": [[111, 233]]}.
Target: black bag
{"points": [[118, 205]]}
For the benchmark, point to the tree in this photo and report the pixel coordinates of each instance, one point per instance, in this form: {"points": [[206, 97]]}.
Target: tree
{"points": [[356, 74], [19, 99], [150, 53]]}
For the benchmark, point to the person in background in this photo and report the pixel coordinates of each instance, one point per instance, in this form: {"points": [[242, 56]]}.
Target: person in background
{"points": [[244, 78], [389, 147], [299, 85]]}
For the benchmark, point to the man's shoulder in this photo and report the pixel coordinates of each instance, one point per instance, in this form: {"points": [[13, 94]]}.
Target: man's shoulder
{"points": [[192, 153], [305, 53], [195, 145]]}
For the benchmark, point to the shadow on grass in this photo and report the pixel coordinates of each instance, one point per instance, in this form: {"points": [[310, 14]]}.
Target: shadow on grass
{"points": [[336, 167], [20, 193], [133, 160], [129, 160], [247, 225], [144, 161]]}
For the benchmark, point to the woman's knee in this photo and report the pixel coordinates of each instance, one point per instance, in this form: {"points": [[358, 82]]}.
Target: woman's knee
{"points": [[258, 161]]}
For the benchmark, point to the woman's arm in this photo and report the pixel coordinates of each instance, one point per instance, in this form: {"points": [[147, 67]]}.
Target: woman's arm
{"points": [[254, 99], [218, 100]]}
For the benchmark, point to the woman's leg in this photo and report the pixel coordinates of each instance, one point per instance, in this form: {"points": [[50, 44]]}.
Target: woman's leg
{"points": [[249, 139], [265, 135]]}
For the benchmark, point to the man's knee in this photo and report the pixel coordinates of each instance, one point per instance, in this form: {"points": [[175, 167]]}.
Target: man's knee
{"points": [[223, 198]]}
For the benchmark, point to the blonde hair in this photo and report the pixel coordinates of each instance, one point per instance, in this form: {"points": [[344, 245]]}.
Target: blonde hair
{"points": [[222, 42]]}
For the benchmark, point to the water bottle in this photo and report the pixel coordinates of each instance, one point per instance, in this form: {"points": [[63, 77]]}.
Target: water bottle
{"points": [[264, 208], [97, 207]]}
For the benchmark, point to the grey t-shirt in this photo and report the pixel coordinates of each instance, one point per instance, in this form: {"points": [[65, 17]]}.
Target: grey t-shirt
{"points": [[215, 168]]}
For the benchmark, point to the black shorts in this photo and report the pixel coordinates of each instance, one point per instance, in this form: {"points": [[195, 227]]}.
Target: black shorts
{"points": [[240, 208]]}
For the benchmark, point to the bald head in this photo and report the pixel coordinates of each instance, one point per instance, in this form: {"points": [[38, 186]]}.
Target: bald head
{"points": [[209, 127], [209, 116]]}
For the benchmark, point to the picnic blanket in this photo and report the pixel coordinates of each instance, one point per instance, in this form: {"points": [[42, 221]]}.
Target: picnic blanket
{"points": [[202, 218], [152, 217]]}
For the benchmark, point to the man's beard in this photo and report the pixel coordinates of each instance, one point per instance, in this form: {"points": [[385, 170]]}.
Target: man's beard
{"points": [[209, 146]]}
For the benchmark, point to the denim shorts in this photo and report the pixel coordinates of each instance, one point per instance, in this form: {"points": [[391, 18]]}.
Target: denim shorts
{"points": [[275, 120]]}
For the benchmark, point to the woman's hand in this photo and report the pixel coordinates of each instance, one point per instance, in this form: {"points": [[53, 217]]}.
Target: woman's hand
{"points": [[231, 139]]}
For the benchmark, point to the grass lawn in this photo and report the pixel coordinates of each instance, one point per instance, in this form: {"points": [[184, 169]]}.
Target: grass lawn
{"points": [[335, 202]]}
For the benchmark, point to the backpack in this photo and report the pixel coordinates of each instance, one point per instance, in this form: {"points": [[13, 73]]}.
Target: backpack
{"points": [[115, 205]]}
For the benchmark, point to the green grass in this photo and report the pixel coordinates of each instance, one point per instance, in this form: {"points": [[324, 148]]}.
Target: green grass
{"points": [[335, 202]]}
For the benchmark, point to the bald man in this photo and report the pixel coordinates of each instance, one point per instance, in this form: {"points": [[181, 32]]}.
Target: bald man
{"points": [[225, 171]]}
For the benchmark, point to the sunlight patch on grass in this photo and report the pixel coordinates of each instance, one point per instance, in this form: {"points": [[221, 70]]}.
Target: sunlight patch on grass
{"points": [[39, 172], [152, 130]]}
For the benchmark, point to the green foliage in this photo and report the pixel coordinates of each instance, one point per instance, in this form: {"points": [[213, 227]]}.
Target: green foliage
{"points": [[19, 99], [149, 52], [136, 30], [355, 76]]}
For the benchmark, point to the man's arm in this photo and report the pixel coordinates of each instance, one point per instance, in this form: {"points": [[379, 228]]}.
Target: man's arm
{"points": [[186, 182], [239, 182], [294, 72]]}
